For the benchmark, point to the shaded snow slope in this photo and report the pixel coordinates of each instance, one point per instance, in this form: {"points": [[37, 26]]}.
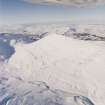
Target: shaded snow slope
{"points": [[16, 91], [63, 63], [5, 50]]}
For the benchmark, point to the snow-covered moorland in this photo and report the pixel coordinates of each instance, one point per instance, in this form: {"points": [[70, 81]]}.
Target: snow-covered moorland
{"points": [[52, 64]]}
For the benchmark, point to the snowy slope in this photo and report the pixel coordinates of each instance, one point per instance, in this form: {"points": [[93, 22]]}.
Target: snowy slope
{"points": [[64, 63], [64, 68], [15, 91]]}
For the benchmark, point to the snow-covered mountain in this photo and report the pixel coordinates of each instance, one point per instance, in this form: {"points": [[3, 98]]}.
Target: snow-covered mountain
{"points": [[52, 65], [60, 28]]}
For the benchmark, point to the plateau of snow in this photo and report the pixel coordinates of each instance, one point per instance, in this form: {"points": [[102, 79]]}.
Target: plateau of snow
{"points": [[57, 69]]}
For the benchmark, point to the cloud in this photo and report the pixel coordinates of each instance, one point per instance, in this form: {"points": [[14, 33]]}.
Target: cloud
{"points": [[69, 2]]}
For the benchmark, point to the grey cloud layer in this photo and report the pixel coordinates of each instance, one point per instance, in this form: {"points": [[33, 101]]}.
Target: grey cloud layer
{"points": [[69, 2]]}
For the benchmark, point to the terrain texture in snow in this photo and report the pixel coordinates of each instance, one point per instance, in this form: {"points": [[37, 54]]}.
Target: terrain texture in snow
{"points": [[63, 66]]}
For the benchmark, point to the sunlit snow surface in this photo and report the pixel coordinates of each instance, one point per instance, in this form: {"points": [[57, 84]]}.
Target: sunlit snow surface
{"points": [[52, 64]]}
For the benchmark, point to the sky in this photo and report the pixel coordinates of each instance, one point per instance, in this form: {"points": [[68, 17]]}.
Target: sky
{"points": [[21, 12]]}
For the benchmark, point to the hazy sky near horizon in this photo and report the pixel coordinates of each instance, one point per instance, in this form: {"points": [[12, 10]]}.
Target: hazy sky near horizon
{"points": [[20, 12]]}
